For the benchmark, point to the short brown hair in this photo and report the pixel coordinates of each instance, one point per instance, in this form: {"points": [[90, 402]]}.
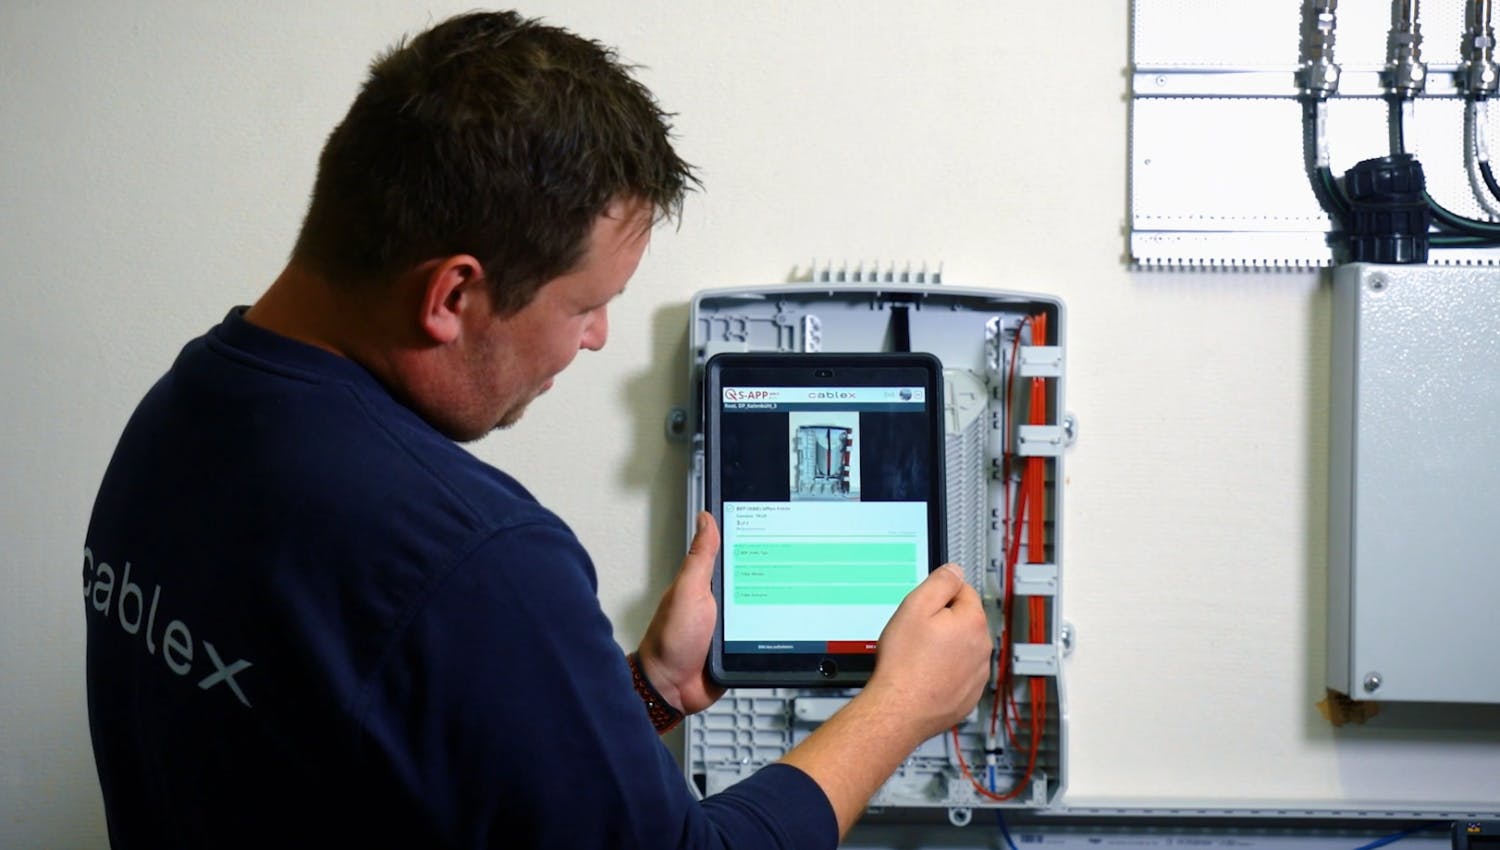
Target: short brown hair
{"points": [[493, 135]]}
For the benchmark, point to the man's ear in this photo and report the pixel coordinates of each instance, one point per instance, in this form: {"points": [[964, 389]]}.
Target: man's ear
{"points": [[451, 288]]}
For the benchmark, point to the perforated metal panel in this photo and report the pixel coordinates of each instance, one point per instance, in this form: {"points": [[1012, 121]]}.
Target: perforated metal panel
{"points": [[1217, 173]]}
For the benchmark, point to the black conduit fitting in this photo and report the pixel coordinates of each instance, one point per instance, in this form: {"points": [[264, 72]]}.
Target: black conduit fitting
{"points": [[1388, 213]]}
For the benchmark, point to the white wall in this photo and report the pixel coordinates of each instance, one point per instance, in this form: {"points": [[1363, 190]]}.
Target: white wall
{"points": [[154, 163]]}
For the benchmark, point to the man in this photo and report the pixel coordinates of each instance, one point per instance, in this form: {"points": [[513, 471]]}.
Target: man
{"points": [[315, 620]]}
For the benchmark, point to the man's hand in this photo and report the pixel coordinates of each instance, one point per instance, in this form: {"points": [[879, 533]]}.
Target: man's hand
{"points": [[674, 652], [931, 666], [934, 653]]}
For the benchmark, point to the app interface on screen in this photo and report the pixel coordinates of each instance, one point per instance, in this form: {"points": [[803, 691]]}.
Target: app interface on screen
{"points": [[825, 514]]}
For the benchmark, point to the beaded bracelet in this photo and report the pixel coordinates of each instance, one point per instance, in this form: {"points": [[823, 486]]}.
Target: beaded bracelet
{"points": [[664, 715]]}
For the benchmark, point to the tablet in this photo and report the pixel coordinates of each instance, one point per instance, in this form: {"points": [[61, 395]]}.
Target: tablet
{"points": [[825, 473]]}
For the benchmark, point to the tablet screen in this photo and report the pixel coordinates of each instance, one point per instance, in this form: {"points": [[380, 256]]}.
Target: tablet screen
{"points": [[825, 475]]}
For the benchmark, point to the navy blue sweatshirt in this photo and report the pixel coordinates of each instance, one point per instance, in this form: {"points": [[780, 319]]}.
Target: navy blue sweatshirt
{"points": [[314, 621]]}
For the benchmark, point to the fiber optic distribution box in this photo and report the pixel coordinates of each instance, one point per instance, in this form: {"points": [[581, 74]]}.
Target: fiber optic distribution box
{"points": [[1006, 429], [1414, 484]]}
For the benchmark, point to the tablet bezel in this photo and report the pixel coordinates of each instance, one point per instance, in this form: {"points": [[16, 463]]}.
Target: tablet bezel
{"points": [[813, 370]]}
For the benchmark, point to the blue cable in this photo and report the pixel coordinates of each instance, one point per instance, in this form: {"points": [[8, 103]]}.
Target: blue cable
{"points": [[1379, 842], [1000, 819], [1397, 836]]}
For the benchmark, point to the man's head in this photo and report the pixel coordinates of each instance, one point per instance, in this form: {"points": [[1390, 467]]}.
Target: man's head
{"points": [[485, 366], [493, 136]]}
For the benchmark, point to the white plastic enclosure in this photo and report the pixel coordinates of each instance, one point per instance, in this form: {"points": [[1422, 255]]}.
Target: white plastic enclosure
{"points": [[1003, 355]]}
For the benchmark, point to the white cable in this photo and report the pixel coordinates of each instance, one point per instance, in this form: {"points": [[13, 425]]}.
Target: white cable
{"points": [[1320, 134], [1408, 120], [1476, 121], [1481, 119]]}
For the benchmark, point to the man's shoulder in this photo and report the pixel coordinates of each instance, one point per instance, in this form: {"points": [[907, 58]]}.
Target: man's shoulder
{"points": [[274, 438]]}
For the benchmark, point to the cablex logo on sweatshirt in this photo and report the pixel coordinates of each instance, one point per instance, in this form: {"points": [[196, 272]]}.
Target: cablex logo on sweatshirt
{"points": [[137, 618]]}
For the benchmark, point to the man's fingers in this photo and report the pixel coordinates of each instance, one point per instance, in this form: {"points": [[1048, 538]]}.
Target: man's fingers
{"points": [[700, 555], [937, 591], [967, 602], [705, 535]]}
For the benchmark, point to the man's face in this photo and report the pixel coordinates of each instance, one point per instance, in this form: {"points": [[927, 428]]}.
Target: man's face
{"points": [[510, 360]]}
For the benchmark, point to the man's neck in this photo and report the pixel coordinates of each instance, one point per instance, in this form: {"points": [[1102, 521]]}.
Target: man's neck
{"points": [[301, 305]]}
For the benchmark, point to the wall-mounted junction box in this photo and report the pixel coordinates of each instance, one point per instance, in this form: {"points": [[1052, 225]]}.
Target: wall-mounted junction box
{"points": [[1414, 487], [994, 358]]}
